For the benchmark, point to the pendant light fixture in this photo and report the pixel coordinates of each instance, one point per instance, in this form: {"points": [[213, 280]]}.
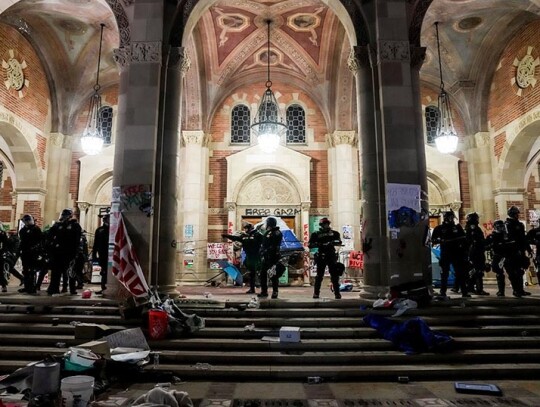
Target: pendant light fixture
{"points": [[92, 137], [446, 138], [268, 125]]}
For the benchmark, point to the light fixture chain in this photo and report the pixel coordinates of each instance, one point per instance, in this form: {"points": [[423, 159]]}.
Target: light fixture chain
{"points": [[439, 54], [97, 87]]}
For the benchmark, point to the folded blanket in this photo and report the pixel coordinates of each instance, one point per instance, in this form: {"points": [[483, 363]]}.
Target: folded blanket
{"points": [[159, 397]]}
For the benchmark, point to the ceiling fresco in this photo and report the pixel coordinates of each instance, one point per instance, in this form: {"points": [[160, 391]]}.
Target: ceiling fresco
{"points": [[307, 42]]}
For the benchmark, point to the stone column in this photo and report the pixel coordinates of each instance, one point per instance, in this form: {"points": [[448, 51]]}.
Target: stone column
{"points": [[164, 261], [58, 165], [344, 175], [84, 207], [139, 108], [195, 210], [361, 63], [478, 157]]}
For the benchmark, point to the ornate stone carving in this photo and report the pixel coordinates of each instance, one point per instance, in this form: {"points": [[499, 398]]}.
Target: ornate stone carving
{"points": [[216, 211], [146, 52], [482, 139], [121, 20], [394, 51], [319, 211], [14, 70], [230, 206], [342, 137], [361, 57], [83, 206], [179, 60], [306, 206], [268, 190], [122, 56], [195, 137], [525, 71], [56, 139]]}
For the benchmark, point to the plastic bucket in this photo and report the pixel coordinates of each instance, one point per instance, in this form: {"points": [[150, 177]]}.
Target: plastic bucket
{"points": [[77, 391], [83, 357], [46, 378], [158, 323]]}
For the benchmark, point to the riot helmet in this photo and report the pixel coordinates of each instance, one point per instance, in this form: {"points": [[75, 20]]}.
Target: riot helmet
{"points": [[271, 222], [28, 220], [448, 217], [247, 226], [65, 215], [324, 223], [513, 212], [473, 218], [498, 226]]}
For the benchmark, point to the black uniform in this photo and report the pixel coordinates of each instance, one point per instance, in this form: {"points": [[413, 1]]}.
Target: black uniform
{"points": [[453, 244], [31, 255], [533, 238], [3, 263], [501, 246], [270, 247], [518, 259], [477, 258], [100, 251], [63, 240], [251, 243], [325, 241]]}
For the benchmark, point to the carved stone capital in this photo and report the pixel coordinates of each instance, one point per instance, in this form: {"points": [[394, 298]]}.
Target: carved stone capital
{"points": [[179, 60], [197, 137], [56, 139], [67, 142], [83, 206], [122, 57], [231, 206], [146, 52], [305, 206], [361, 57], [455, 206], [394, 51], [418, 56], [342, 137], [482, 139]]}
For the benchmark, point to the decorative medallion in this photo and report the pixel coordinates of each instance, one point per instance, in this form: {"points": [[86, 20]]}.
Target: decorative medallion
{"points": [[525, 71], [302, 22], [230, 23], [15, 74]]}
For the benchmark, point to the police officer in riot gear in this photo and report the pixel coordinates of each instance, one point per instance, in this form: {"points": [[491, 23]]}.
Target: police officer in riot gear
{"points": [[518, 259], [533, 238], [453, 242], [500, 245], [31, 252], [270, 247], [100, 250], [251, 241], [477, 254], [63, 239], [325, 240]]}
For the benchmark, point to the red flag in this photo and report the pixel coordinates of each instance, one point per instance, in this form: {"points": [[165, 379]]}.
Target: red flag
{"points": [[125, 266]]}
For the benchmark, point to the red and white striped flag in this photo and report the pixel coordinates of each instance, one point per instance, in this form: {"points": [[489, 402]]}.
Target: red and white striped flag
{"points": [[125, 265]]}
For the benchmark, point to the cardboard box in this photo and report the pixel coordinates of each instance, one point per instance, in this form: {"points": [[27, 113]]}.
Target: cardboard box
{"points": [[289, 334], [98, 347], [91, 331]]}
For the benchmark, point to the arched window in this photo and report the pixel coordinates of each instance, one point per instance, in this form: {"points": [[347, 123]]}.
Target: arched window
{"points": [[296, 125], [432, 119], [240, 121], [105, 123]]}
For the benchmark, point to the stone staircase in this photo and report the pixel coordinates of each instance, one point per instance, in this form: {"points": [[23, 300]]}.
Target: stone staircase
{"points": [[495, 339]]}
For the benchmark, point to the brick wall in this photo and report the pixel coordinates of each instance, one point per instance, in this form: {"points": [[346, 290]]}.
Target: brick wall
{"points": [[218, 166], [505, 105], [33, 106], [532, 198], [6, 200], [32, 208], [499, 141], [74, 176]]}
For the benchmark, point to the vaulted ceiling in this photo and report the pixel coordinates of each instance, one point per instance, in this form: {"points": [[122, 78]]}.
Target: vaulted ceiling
{"points": [[307, 43]]}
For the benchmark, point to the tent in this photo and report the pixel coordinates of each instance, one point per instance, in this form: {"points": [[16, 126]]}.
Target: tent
{"points": [[290, 242]]}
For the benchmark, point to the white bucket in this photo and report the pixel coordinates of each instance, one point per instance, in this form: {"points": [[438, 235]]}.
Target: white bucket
{"points": [[83, 357], [77, 391]]}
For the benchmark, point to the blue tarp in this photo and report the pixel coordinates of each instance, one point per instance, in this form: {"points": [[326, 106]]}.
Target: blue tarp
{"points": [[411, 336], [290, 242]]}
